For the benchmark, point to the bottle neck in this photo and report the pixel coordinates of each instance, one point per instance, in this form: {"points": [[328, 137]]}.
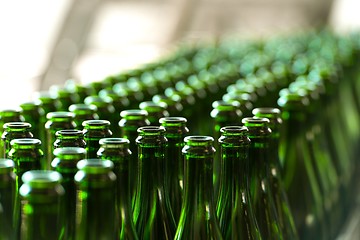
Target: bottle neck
{"points": [[198, 191], [234, 168]]}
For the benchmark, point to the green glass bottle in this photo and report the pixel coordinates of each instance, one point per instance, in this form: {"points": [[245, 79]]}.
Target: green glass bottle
{"points": [[95, 205], [27, 155], [48, 102], [94, 130], [55, 121], [120, 102], [223, 114], [261, 196], [174, 106], [106, 110], [234, 209], [14, 130], [155, 111], [7, 199], [280, 199], [298, 171], [175, 132], [34, 114], [64, 96], [117, 150], [8, 115], [64, 163], [130, 121], [152, 212], [83, 112], [42, 205], [69, 138], [198, 214]]}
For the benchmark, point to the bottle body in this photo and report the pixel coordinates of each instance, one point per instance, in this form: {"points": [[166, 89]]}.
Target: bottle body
{"points": [[198, 216], [41, 205], [95, 206], [152, 213]]}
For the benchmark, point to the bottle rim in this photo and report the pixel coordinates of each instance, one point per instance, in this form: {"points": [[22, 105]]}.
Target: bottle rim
{"points": [[69, 132], [234, 130], [151, 130], [82, 107], [252, 121], [41, 178], [172, 120], [95, 165], [59, 115], [114, 141], [133, 112], [95, 123], [16, 125], [15, 143], [69, 151], [6, 165], [198, 140]]}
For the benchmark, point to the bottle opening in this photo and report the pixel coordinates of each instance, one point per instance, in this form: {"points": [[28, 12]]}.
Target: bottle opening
{"points": [[25, 141], [52, 115], [251, 121], [69, 151], [149, 130], [198, 140], [41, 178], [133, 112], [95, 123], [69, 132], [114, 141], [95, 165], [16, 125], [172, 120], [234, 130], [82, 107], [266, 111]]}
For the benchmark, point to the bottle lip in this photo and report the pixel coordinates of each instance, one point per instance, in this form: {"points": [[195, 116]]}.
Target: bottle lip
{"points": [[16, 125], [6, 165], [69, 151], [82, 107], [69, 132], [10, 112], [41, 178], [151, 106], [234, 130], [266, 112], [198, 140], [30, 105], [95, 123], [17, 143], [225, 105], [172, 121], [252, 121], [133, 113], [94, 165], [151, 130], [97, 100], [116, 142], [59, 114]]}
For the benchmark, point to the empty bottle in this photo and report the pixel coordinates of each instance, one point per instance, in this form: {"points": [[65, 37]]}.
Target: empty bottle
{"points": [[198, 213], [95, 204]]}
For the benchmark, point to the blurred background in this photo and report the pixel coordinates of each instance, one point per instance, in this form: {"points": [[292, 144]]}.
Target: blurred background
{"points": [[43, 42]]}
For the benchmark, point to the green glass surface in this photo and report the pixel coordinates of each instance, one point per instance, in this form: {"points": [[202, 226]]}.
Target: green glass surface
{"points": [[198, 214], [7, 199], [42, 205], [176, 130], [14, 130], [261, 195], [65, 161], [280, 199], [234, 208], [95, 205], [34, 113], [130, 121], [155, 111], [56, 121], [117, 150], [94, 130], [298, 171], [83, 112], [152, 212], [69, 138]]}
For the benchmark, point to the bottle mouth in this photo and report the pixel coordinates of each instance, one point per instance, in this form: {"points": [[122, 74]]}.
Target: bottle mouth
{"points": [[114, 141], [151, 106], [134, 113], [266, 112], [95, 123], [253, 122], [16, 125], [55, 115], [225, 105], [69, 132], [198, 140], [94, 165], [151, 130], [80, 107], [234, 130], [41, 178], [69, 152], [168, 121], [25, 142]]}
